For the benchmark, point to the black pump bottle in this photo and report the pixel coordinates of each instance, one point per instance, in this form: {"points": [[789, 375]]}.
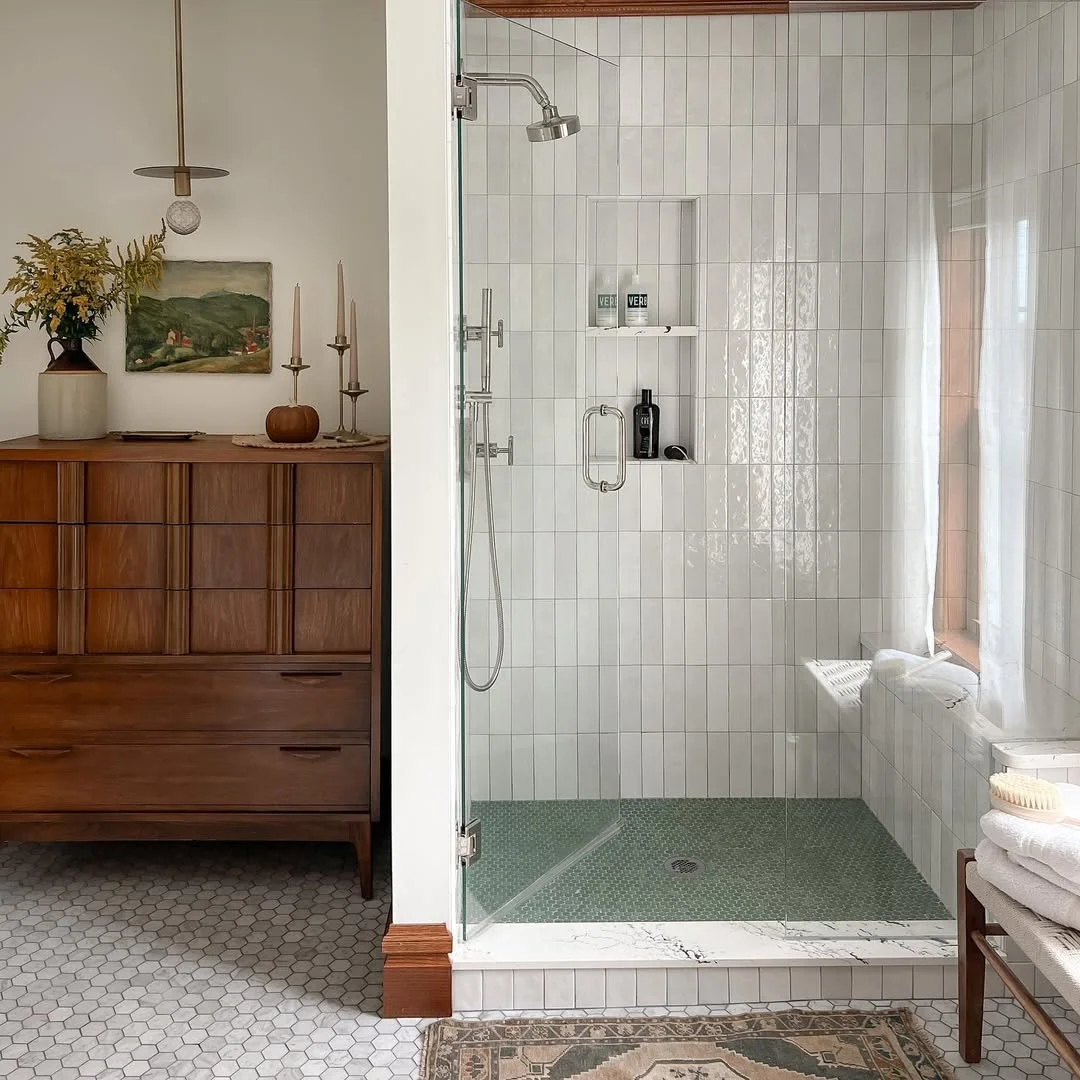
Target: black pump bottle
{"points": [[646, 427]]}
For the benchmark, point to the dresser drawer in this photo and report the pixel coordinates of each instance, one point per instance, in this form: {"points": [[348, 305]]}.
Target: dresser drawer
{"points": [[294, 774], [73, 700]]}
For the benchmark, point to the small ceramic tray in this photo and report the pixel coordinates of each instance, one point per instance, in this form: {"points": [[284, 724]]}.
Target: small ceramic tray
{"points": [[158, 436]]}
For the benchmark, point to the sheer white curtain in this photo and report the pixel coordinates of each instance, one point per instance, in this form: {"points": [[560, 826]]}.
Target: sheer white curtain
{"points": [[912, 442], [1005, 383]]}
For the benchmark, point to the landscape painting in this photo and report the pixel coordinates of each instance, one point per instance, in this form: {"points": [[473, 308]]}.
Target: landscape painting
{"points": [[203, 317]]}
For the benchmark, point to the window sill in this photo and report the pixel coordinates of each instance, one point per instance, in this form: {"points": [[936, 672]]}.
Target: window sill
{"points": [[962, 645]]}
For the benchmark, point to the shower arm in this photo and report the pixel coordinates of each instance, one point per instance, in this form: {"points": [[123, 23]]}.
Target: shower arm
{"points": [[510, 78]]}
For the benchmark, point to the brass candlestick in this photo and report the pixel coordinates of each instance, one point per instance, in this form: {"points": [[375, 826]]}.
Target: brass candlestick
{"points": [[352, 392], [295, 365], [293, 423], [340, 345]]}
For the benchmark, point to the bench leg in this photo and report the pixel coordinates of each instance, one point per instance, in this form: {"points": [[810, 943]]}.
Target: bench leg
{"points": [[971, 968]]}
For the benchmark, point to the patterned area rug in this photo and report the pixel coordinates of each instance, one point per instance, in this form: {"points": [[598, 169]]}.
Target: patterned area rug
{"points": [[888, 1045]]}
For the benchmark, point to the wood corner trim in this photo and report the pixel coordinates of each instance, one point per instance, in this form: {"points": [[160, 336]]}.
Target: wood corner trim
{"points": [[417, 977]]}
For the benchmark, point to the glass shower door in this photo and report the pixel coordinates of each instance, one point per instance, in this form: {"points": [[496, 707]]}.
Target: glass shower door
{"points": [[539, 662]]}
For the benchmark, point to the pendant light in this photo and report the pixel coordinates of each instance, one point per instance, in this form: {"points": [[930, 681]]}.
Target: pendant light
{"points": [[183, 215]]}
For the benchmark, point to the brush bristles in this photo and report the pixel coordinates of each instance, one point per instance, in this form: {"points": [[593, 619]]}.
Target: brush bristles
{"points": [[1025, 791]]}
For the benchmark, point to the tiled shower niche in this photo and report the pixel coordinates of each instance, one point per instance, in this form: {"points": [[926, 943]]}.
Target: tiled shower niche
{"points": [[659, 237]]}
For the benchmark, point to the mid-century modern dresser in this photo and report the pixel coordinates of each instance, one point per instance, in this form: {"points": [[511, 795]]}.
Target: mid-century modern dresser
{"points": [[190, 642]]}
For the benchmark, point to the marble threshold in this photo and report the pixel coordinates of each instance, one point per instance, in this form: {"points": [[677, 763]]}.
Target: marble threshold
{"points": [[706, 944]]}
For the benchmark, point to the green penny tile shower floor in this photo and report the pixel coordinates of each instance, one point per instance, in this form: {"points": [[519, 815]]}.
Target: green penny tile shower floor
{"points": [[802, 860]]}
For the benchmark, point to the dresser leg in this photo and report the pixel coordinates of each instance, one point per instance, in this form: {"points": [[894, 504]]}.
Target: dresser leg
{"points": [[360, 838]]}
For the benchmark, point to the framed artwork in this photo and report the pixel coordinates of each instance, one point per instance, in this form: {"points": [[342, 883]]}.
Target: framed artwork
{"points": [[203, 317]]}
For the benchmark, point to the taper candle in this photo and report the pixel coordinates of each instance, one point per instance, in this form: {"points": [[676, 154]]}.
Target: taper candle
{"points": [[340, 301], [354, 373], [296, 321]]}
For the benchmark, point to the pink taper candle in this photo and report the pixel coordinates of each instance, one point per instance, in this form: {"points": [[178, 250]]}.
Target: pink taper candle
{"points": [[340, 301], [354, 373], [296, 321]]}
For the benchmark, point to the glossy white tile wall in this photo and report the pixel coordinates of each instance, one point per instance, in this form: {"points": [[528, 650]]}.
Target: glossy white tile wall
{"points": [[1027, 65], [926, 778], [597, 988], [654, 635]]}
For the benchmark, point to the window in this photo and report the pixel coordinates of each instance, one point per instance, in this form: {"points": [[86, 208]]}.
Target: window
{"points": [[956, 615]]}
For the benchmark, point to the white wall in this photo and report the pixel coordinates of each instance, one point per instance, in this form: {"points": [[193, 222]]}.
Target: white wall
{"points": [[424, 551], [289, 95]]}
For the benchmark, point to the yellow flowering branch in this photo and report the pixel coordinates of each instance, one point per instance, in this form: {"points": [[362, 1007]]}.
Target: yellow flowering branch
{"points": [[69, 282]]}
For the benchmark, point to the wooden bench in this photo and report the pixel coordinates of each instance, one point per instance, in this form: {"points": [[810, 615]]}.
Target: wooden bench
{"points": [[1053, 949]]}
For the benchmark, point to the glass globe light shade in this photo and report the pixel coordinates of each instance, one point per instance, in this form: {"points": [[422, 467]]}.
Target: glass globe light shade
{"points": [[183, 217]]}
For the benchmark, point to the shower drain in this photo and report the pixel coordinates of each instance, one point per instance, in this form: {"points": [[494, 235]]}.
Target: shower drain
{"points": [[683, 866]]}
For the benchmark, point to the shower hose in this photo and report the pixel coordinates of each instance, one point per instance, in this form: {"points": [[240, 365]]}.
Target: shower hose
{"points": [[493, 553]]}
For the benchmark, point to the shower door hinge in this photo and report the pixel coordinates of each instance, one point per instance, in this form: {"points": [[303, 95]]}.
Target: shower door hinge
{"points": [[463, 97], [469, 842]]}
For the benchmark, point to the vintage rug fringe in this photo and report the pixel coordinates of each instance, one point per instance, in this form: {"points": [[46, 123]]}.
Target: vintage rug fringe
{"points": [[888, 1044]]}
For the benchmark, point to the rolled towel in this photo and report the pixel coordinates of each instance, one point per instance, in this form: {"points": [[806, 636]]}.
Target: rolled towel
{"points": [[1027, 888], [1055, 846]]}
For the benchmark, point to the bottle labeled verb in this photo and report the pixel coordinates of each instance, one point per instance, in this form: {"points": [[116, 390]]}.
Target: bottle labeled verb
{"points": [[607, 300], [637, 302]]}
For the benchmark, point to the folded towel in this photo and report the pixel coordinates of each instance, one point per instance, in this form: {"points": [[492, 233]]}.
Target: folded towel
{"points": [[1055, 846], [1027, 888], [893, 664], [1044, 872]]}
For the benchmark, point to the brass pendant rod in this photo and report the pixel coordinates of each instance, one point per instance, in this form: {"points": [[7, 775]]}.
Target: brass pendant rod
{"points": [[179, 34]]}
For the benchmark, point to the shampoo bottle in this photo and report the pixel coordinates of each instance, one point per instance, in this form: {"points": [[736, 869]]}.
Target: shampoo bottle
{"points": [[646, 427], [607, 300], [637, 302]]}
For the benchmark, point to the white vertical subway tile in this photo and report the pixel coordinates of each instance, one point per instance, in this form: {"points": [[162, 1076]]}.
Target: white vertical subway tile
{"points": [[468, 991], [620, 988], [744, 985], [498, 989]]}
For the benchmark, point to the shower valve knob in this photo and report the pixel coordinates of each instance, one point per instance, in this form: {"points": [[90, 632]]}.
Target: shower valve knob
{"points": [[493, 450]]}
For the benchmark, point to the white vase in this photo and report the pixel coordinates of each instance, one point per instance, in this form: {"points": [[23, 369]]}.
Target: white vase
{"points": [[73, 400]]}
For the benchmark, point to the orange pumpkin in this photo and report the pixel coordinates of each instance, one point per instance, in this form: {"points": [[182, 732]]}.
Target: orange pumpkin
{"points": [[292, 424]]}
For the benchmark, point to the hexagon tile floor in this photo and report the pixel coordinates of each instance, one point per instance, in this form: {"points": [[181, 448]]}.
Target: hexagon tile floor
{"points": [[253, 961]]}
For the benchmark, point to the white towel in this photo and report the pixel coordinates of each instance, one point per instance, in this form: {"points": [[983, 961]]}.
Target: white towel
{"points": [[1027, 888], [1044, 872], [1055, 846]]}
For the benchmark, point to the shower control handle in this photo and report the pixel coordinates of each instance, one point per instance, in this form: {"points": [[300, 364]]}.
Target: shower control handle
{"points": [[493, 450]]}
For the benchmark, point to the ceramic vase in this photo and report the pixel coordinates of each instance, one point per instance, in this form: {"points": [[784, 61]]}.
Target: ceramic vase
{"points": [[73, 401]]}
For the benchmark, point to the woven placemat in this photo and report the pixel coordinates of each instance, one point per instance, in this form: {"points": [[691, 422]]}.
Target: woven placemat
{"points": [[323, 442]]}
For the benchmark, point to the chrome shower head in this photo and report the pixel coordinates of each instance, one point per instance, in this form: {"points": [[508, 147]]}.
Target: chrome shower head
{"points": [[553, 126]]}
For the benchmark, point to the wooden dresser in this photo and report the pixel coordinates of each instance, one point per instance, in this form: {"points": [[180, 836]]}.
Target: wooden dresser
{"points": [[190, 642]]}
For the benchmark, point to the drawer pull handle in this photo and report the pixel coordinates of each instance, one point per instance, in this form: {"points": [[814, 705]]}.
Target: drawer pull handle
{"points": [[310, 752], [40, 751], [40, 676], [310, 678]]}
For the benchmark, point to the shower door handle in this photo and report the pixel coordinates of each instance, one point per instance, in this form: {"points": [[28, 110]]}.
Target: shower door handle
{"points": [[603, 486]]}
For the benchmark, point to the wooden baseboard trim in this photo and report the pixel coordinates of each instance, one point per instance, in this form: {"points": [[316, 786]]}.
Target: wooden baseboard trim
{"points": [[416, 972]]}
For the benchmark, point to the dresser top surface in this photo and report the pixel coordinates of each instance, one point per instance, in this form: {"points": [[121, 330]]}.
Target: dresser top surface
{"points": [[216, 448]]}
